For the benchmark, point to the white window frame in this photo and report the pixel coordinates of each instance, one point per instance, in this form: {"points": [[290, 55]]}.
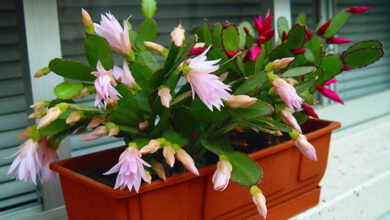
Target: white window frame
{"points": [[43, 43]]}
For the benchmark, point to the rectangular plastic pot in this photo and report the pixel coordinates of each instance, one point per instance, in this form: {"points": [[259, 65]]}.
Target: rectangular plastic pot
{"points": [[290, 184]]}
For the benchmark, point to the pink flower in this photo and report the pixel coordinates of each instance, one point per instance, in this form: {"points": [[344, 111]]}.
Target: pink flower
{"points": [[27, 164], [117, 37], [124, 75], [104, 85], [207, 86], [355, 10], [305, 147], [287, 93], [222, 174], [337, 40], [130, 169], [288, 118], [309, 111], [95, 134], [254, 51], [328, 92], [47, 155], [323, 28]]}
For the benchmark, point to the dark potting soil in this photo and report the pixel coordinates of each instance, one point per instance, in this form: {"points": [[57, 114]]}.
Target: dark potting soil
{"points": [[243, 142]]}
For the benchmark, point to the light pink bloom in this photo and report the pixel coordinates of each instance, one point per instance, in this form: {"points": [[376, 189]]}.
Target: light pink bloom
{"points": [[104, 85], [288, 118], [328, 92], [169, 155], [111, 30], [287, 93], [178, 35], [130, 169], [221, 175], [358, 9], [207, 86], [27, 164], [187, 161], [124, 75], [95, 134], [259, 200], [47, 155], [305, 147]]}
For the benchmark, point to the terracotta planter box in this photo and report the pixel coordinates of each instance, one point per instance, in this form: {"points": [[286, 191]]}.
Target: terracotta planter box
{"points": [[290, 184]]}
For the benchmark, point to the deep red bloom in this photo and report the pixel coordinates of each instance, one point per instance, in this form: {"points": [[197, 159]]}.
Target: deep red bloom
{"points": [[355, 10], [254, 52], [268, 21], [323, 28], [258, 23], [261, 26], [261, 40], [308, 32], [268, 34], [196, 51], [231, 53], [328, 92], [284, 36], [298, 51], [308, 110], [337, 40], [246, 30], [347, 68]]}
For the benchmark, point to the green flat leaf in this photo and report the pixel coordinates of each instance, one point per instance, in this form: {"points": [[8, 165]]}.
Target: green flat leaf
{"points": [[302, 86], [67, 90], [301, 19], [362, 57], [181, 97], [246, 171], [142, 99], [217, 33], [53, 128], [147, 31], [282, 26], [242, 34], [299, 71], [256, 110], [251, 83], [145, 57], [332, 66], [97, 48], [280, 52], [128, 111], [309, 56], [71, 69], [85, 108], [315, 44], [208, 38], [272, 124], [337, 22], [364, 44], [131, 130], [141, 74], [201, 112], [217, 146], [183, 121], [199, 32], [230, 38], [174, 137], [301, 117], [149, 8], [296, 36]]}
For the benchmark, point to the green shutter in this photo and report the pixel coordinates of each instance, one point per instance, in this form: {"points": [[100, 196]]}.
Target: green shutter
{"points": [[309, 7], [373, 24], [168, 14], [14, 194]]}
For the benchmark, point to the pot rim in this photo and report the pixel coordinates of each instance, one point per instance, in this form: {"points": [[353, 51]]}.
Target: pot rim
{"points": [[61, 168]]}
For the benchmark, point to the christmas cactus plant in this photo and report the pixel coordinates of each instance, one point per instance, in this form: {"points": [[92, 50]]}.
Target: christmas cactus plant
{"points": [[218, 80]]}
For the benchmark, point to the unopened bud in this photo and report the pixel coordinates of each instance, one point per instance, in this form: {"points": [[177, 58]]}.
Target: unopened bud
{"points": [[199, 45], [52, 114], [259, 200], [187, 161], [143, 125], [148, 177], [87, 21], [26, 133], [166, 97], [73, 118], [95, 134], [85, 91], [292, 81], [238, 128], [240, 101], [178, 35], [42, 72], [157, 48], [282, 63], [96, 121], [37, 114], [40, 105], [169, 155], [151, 147], [158, 168], [113, 132], [223, 76]]}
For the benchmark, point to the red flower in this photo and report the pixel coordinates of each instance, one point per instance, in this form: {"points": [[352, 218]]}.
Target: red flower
{"points": [[246, 30], [308, 110], [308, 32], [254, 52], [328, 92], [323, 28], [337, 40], [231, 53], [347, 68], [355, 10], [196, 51], [284, 36], [298, 51]]}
